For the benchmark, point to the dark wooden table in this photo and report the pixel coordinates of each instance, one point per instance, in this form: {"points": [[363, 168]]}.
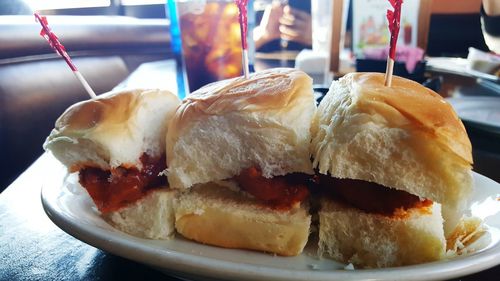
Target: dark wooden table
{"points": [[33, 248]]}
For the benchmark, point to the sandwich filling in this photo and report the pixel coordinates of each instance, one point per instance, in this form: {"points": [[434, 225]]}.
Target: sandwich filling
{"points": [[280, 192], [373, 198], [114, 189]]}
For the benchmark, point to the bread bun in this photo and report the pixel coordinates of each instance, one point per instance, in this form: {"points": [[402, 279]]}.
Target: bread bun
{"points": [[113, 130], [405, 137], [150, 217], [371, 240], [217, 215], [234, 124]]}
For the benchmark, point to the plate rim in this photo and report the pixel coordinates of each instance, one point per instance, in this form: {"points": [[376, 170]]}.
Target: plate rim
{"points": [[181, 262], [455, 102]]}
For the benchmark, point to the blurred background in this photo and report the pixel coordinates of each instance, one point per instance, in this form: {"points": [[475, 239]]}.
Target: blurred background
{"points": [[110, 39]]}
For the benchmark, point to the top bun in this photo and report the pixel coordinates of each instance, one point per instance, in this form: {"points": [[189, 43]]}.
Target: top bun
{"points": [[234, 124], [405, 137], [113, 130]]}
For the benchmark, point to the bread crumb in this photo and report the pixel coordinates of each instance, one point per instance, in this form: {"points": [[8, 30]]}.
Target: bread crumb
{"points": [[468, 231], [313, 266], [199, 212], [350, 266]]}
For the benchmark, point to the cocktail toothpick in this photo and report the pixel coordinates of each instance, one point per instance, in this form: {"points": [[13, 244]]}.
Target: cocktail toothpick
{"points": [[59, 49], [243, 18], [394, 18]]}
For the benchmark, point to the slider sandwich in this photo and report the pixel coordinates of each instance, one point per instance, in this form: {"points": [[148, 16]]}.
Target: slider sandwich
{"points": [[395, 163], [116, 143], [239, 149]]}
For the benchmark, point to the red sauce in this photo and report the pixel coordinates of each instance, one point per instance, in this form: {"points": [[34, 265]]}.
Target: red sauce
{"points": [[371, 197], [280, 192], [112, 190]]}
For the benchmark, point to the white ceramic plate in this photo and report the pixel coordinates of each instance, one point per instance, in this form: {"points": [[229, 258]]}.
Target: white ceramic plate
{"points": [[457, 66], [71, 209], [481, 112]]}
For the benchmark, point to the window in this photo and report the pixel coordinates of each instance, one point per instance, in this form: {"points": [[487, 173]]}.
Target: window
{"points": [[142, 2], [131, 8], [71, 4], [66, 4]]}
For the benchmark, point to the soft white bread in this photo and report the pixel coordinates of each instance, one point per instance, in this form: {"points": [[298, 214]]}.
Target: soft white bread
{"points": [[404, 137], [234, 124], [372, 240], [113, 130], [150, 217], [216, 214]]}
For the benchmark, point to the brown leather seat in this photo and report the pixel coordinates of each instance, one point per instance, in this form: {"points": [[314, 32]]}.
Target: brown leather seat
{"points": [[36, 86]]}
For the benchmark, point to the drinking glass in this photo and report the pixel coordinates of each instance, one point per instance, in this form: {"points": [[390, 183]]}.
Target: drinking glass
{"points": [[206, 37]]}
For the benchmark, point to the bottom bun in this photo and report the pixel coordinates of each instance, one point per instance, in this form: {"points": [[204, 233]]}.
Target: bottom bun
{"points": [[370, 240], [151, 217], [218, 215]]}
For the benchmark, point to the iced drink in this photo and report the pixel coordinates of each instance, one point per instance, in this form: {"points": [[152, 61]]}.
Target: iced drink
{"points": [[211, 41]]}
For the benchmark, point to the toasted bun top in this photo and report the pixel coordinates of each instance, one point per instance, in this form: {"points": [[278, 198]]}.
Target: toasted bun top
{"points": [[230, 125], [404, 137], [114, 129], [270, 89], [102, 112], [423, 107]]}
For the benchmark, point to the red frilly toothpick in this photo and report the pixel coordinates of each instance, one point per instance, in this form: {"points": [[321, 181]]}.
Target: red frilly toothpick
{"points": [[56, 45], [394, 18], [243, 19]]}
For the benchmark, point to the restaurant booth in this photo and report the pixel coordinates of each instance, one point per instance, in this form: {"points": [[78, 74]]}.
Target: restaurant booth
{"points": [[122, 44]]}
